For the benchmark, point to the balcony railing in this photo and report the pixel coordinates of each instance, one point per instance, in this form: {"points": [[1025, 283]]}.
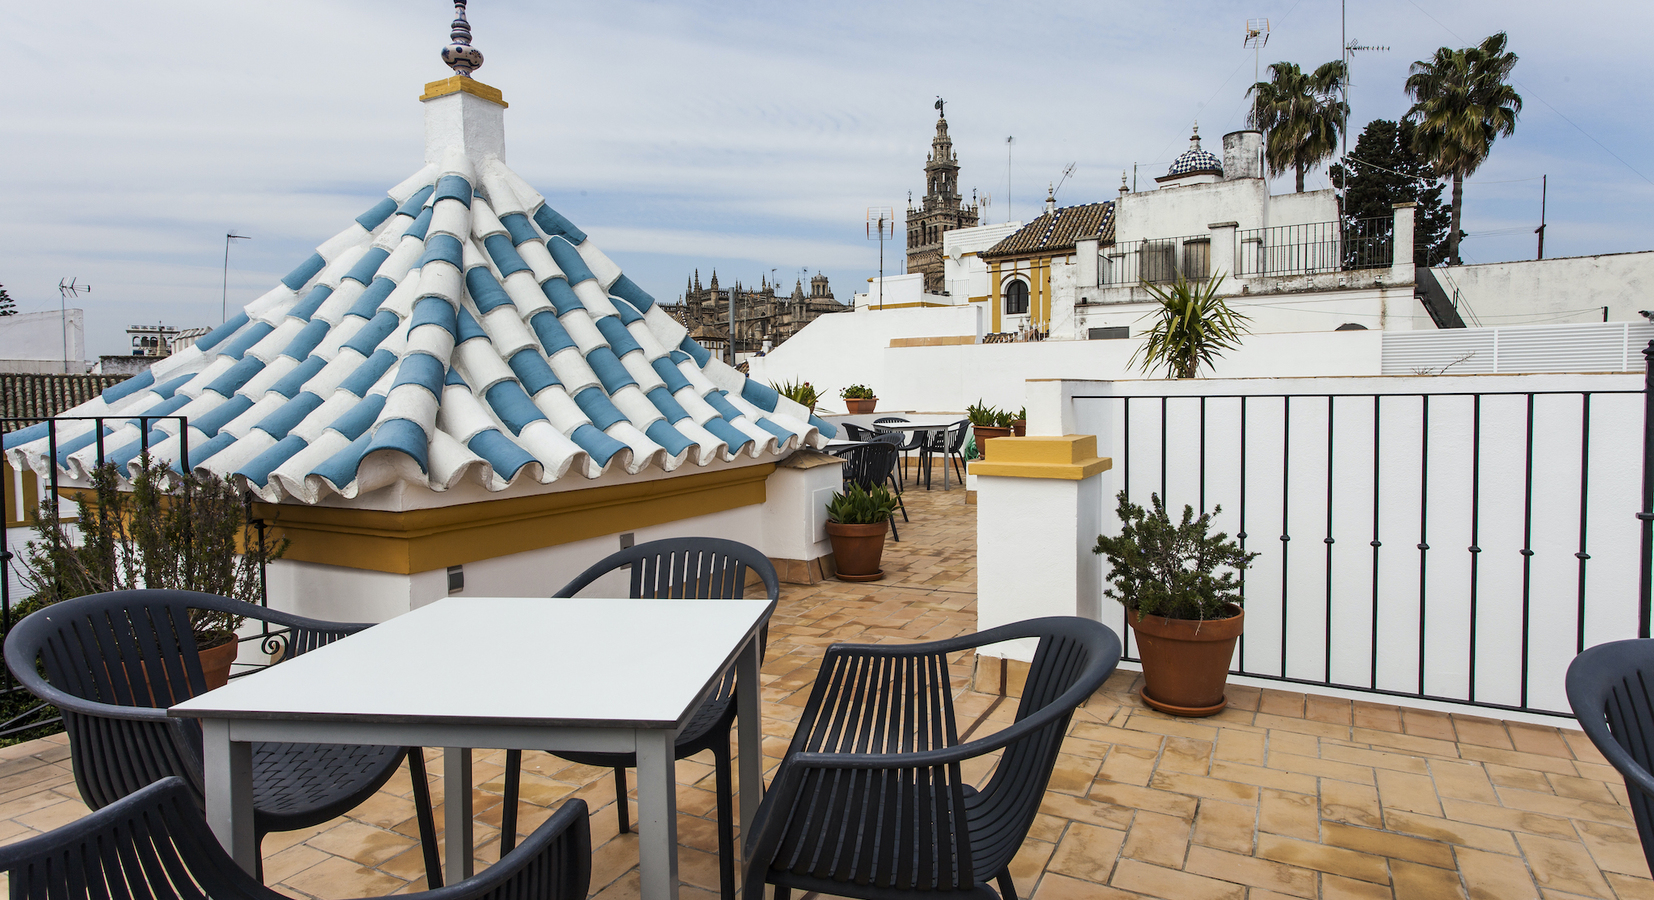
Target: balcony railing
{"points": [[1315, 247], [1158, 260]]}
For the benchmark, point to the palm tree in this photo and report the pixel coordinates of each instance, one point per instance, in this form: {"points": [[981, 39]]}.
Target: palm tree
{"points": [[1300, 115], [1461, 102]]}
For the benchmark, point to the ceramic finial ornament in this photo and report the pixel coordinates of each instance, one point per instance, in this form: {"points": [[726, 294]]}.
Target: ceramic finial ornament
{"points": [[460, 55]]}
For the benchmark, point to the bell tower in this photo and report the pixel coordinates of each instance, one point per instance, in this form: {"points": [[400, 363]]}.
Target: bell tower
{"points": [[942, 210]]}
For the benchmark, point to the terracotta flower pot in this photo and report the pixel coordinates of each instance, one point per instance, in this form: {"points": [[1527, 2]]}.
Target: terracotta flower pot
{"points": [[1185, 661], [215, 662], [1019, 428], [860, 407], [857, 550], [983, 433]]}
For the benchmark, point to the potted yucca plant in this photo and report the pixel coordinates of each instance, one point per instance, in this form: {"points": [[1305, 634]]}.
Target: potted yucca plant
{"points": [[800, 392], [856, 522], [988, 422], [1180, 586]]}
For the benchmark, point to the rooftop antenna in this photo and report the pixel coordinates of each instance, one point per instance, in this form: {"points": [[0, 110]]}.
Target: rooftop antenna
{"points": [[460, 55], [1348, 49], [1067, 171], [880, 225], [1008, 142], [224, 298], [1257, 35], [65, 290]]}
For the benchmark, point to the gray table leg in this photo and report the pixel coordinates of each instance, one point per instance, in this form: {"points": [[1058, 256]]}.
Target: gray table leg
{"points": [[749, 737], [228, 770], [657, 814], [456, 813]]}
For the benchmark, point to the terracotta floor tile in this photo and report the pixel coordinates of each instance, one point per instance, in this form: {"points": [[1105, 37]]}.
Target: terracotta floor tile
{"points": [[1464, 834], [1155, 881], [1493, 876], [1158, 838], [1228, 826], [1324, 858], [1615, 848], [1388, 844], [1337, 887], [1293, 815], [1563, 865], [1420, 882], [1061, 887], [1413, 793], [1352, 804], [1256, 873], [1087, 852]]}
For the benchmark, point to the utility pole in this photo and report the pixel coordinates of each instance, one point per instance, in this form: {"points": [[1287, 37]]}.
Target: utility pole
{"points": [[1544, 183], [881, 223], [223, 300], [1008, 142]]}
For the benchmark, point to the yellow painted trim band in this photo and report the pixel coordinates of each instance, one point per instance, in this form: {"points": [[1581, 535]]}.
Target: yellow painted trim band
{"points": [[1070, 457], [462, 85], [875, 307], [422, 540], [940, 341]]}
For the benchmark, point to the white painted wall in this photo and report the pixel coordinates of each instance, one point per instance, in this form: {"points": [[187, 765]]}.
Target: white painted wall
{"points": [[895, 290], [964, 274], [1569, 289], [1424, 496], [33, 342], [834, 352]]}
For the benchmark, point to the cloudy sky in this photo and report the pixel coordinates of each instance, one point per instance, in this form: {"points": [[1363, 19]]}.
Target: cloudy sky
{"points": [[743, 136]]}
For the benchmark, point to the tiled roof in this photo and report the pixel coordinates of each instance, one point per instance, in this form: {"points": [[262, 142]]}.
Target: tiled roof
{"points": [[1056, 232], [36, 396], [460, 330]]}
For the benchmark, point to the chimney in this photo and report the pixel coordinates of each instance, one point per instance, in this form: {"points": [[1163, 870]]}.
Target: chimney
{"points": [[1242, 155]]}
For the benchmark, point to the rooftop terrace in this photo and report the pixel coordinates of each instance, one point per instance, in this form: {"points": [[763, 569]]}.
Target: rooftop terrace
{"points": [[1281, 795]]}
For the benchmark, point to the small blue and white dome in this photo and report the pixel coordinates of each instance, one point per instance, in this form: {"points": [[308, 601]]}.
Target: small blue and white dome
{"points": [[460, 330], [1195, 161]]}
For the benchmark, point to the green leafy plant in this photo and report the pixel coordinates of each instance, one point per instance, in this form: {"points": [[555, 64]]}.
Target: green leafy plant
{"points": [[982, 415], [801, 392], [1021, 416], [1194, 327], [858, 392], [169, 531], [1172, 570], [856, 506]]}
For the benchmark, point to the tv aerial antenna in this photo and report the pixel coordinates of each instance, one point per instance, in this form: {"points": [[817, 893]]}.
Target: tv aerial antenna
{"points": [[881, 225], [1257, 35], [66, 290], [1066, 172], [1348, 48]]}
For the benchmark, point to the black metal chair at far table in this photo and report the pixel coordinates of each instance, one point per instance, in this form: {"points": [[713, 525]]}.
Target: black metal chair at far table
{"points": [[871, 464], [870, 802], [113, 662], [697, 568], [856, 432], [154, 844], [950, 443], [914, 441], [1611, 690]]}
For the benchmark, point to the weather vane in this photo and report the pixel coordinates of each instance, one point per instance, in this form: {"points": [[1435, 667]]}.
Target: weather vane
{"points": [[460, 55], [940, 112]]}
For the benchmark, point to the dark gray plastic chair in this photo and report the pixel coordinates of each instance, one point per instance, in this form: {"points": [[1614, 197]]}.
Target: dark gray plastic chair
{"points": [[870, 801], [1611, 690], [869, 465], [112, 663], [674, 568], [155, 845], [914, 440], [950, 443], [856, 432]]}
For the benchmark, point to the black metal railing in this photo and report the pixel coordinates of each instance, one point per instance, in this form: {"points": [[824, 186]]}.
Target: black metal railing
{"points": [[25, 717], [1315, 247], [1158, 260], [1472, 543]]}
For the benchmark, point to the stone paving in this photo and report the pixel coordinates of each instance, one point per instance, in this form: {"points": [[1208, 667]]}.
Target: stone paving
{"points": [[1282, 795]]}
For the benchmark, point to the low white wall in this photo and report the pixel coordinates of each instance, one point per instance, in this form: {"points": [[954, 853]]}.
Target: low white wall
{"points": [[834, 352], [953, 377], [1572, 289]]}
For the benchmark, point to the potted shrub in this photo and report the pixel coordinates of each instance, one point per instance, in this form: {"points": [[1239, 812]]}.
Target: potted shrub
{"points": [[859, 399], [856, 522], [1019, 423], [168, 531], [800, 392], [1180, 588], [987, 422]]}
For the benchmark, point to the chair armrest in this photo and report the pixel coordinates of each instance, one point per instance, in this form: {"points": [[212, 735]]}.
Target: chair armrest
{"points": [[562, 840]]}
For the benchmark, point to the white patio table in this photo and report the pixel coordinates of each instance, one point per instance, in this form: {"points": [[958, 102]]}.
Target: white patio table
{"points": [[928, 425], [514, 673]]}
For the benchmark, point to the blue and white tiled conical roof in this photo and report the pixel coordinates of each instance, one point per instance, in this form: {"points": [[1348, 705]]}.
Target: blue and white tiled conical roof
{"points": [[460, 330]]}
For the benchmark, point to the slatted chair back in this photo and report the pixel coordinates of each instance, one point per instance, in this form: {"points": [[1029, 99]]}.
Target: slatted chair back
{"points": [[911, 441], [113, 662], [155, 845], [870, 800], [856, 432], [697, 568], [1611, 690], [868, 464]]}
